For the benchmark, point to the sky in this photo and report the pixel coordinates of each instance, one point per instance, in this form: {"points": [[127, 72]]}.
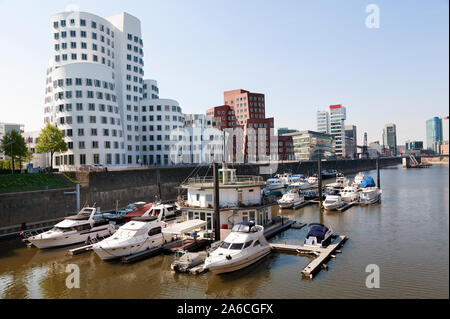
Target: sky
{"points": [[303, 55]]}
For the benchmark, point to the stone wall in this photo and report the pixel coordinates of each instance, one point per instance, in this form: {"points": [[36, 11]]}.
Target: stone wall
{"points": [[104, 189]]}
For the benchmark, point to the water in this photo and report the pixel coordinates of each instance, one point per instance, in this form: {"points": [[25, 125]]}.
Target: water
{"points": [[406, 235]]}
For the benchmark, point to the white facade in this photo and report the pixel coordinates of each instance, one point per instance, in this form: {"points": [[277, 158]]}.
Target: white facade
{"points": [[162, 123], [94, 87], [41, 160]]}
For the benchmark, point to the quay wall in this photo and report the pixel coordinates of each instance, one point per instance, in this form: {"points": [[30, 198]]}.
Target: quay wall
{"points": [[119, 188]]}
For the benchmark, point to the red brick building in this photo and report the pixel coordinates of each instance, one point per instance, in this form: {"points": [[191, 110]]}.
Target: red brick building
{"points": [[246, 110]]}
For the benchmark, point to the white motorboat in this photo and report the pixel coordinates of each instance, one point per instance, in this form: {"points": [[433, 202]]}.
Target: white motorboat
{"points": [[187, 260], [292, 199], [139, 234], [273, 184], [73, 230], [303, 184], [370, 195], [245, 245], [358, 179], [350, 194], [313, 181], [318, 235], [341, 182], [333, 201]]}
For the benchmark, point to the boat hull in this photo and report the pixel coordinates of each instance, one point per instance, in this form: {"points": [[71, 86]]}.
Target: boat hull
{"points": [[106, 252], [239, 263], [71, 239]]}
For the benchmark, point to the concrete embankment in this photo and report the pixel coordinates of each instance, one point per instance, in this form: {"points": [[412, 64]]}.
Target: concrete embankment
{"points": [[107, 189]]}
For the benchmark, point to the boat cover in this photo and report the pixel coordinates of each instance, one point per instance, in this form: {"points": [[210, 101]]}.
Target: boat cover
{"points": [[367, 182], [318, 231]]}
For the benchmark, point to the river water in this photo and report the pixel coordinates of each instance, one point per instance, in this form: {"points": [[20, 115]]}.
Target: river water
{"points": [[406, 236]]}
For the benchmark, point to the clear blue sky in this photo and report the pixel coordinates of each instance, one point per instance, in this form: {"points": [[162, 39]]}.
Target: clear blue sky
{"points": [[304, 55]]}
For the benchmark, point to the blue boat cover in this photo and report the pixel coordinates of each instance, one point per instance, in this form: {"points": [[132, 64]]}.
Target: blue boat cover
{"points": [[367, 182], [318, 231]]}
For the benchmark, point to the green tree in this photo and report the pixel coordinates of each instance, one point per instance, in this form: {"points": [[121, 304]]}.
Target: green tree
{"points": [[13, 145], [51, 140]]}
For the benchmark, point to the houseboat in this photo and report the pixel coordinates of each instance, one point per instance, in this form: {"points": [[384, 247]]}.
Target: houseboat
{"points": [[240, 200]]}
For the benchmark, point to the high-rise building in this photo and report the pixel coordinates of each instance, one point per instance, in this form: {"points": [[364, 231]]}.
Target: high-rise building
{"points": [[332, 121], [310, 145], [351, 140], [390, 138], [246, 110], [434, 134], [96, 94]]}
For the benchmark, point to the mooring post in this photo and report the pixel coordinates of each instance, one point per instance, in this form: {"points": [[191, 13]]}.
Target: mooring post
{"points": [[216, 202], [378, 172], [78, 197], [319, 176], [158, 183]]}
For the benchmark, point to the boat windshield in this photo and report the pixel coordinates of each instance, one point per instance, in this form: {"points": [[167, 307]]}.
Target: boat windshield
{"points": [[244, 228], [225, 245], [237, 246]]}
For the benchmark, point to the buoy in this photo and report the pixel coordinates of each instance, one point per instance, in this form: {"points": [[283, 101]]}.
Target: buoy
{"points": [[324, 266], [333, 256]]}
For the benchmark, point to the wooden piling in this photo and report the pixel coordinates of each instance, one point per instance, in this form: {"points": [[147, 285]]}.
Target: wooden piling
{"points": [[216, 202], [319, 176]]}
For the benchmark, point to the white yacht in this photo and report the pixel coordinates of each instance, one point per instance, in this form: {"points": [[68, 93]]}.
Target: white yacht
{"points": [[318, 235], [370, 195], [302, 184], [292, 199], [274, 183], [139, 234], [358, 179], [73, 230], [313, 181], [333, 201], [244, 246], [350, 194]]}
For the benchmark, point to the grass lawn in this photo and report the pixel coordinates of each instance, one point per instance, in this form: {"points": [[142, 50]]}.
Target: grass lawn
{"points": [[29, 182]]}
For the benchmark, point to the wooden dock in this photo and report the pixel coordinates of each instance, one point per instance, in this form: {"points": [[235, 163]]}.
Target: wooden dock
{"points": [[80, 250], [278, 227], [323, 254]]}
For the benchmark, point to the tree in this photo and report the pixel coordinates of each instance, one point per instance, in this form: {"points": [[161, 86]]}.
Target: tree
{"points": [[13, 145], [51, 140]]}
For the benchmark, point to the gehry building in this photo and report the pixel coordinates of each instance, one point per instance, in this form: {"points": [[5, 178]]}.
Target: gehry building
{"points": [[96, 93]]}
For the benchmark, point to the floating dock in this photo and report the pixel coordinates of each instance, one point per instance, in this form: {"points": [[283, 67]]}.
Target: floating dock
{"points": [[323, 254], [277, 228], [347, 206]]}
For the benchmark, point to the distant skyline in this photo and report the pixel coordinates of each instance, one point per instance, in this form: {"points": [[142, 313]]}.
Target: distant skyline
{"points": [[303, 55]]}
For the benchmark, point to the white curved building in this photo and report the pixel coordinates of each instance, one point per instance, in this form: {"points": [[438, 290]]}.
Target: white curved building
{"points": [[94, 87], [162, 123]]}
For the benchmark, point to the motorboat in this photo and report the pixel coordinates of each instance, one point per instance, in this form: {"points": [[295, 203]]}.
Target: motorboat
{"points": [[245, 245], [140, 234], [350, 194], [76, 229], [333, 201], [358, 179], [318, 235], [310, 194], [341, 182], [313, 181], [187, 260], [273, 184], [292, 199], [370, 195], [136, 210], [302, 184], [168, 211], [326, 174]]}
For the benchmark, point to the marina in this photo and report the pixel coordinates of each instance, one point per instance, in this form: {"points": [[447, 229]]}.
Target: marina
{"points": [[368, 227]]}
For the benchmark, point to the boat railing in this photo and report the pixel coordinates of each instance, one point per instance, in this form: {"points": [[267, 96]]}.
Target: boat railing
{"points": [[239, 180]]}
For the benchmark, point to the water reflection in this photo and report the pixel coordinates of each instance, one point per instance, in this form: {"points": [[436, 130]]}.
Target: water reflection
{"points": [[406, 235]]}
